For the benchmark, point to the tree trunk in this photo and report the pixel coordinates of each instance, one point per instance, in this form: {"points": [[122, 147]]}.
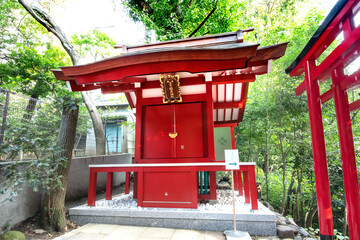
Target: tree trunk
{"points": [[249, 144], [4, 116], [30, 108], [266, 160], [308, 211], [299, 213], [97, 124], [53, 205], [296, 200], [312, 215], [47, 22], [54, 202], [287, 206], [282, 155]]}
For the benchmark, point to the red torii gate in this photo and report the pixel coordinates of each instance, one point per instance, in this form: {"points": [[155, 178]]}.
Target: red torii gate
{"points": [[340, 20]]}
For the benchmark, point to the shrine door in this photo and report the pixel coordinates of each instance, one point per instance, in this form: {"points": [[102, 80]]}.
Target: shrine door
{"points": [[173, 131]]}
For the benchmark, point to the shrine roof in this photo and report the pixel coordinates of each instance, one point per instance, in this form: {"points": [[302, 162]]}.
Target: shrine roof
{"points": [[222, 52], [207, 40], [224, 60], [251, 54]]}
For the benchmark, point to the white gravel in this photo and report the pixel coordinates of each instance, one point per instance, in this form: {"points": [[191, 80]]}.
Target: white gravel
{"points": [[223, 204]]}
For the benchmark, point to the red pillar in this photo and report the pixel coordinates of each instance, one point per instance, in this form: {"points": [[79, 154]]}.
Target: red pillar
{"points": [[127, 182], [212, 185], [232, 136], [253, 189], [319, 154], [92, 187], [246, 186], [236, 180], [135, 185], [351, 182], [241, 193], [109, 185], [194, 188], [140, 185]]}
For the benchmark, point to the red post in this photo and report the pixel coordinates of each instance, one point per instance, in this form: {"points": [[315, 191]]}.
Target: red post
{"points": [[241, 193], [210, 122], [246, 186], [232, 136], [140, 186], [135, 185], [236, 180], [351, 182], [109, 185], [319, 154], [194, 190], [127, 183], [92, 187], [138, 146], [212, 185], [253, 190]]}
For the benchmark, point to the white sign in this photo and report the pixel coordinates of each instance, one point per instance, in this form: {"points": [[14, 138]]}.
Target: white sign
{"points": [[232, 159]]}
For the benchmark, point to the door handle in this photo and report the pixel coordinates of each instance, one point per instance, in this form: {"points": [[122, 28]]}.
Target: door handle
{"points": [[173, 135]]}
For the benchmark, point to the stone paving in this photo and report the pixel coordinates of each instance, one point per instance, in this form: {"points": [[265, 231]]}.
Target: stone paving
{"points": [[121, 232]]}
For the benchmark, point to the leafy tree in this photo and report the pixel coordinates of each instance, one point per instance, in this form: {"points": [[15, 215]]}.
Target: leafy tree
{"points": [[93, 45], [180, 19], [44, 19], [27, 70]]}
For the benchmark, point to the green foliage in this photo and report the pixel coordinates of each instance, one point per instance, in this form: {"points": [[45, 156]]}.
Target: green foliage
{"points": [[94, 44], [315, 233], [12, 235], [17, 27], [38, 139], [179, 19], [35, 140], [29, 71]]}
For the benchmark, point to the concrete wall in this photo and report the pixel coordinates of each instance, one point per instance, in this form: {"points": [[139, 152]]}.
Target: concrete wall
{"points": [[78, 181], [27, 203]]}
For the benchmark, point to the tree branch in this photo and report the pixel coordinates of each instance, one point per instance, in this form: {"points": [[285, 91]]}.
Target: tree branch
{"points": [[46, 21], [204, 21], [144, 5], [353, 117]]}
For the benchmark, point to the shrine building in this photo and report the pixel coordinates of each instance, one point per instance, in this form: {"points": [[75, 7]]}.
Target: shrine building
{"points": [[180, 90]]}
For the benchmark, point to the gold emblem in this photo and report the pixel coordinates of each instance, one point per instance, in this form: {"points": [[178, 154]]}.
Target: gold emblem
{"points": [[170, 88], [173, 135]]}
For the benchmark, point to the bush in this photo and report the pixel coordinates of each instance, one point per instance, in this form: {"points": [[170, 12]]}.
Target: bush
{"points": [[12, 235]]}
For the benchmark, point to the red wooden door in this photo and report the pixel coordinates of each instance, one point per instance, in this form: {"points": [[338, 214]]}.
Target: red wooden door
{"points": [[189, 126], [184, 121], [157, 126]]}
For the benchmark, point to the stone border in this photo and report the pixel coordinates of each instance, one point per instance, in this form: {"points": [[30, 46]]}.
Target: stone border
{"points": [[258, 224]]}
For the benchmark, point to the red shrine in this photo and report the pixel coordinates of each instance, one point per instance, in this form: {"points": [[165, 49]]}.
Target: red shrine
{"points": [[181, 90]]}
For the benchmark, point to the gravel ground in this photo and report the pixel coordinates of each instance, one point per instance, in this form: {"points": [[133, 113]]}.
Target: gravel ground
{"points": [[223, 204]]}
